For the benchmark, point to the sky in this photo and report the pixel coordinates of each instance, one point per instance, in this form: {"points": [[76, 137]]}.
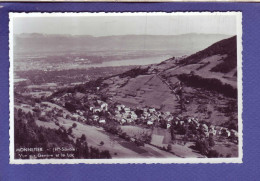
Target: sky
{"points": [[120, 24]]}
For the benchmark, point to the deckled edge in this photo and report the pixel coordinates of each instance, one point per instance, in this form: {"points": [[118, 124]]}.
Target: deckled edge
{"points": [[238, 159]]}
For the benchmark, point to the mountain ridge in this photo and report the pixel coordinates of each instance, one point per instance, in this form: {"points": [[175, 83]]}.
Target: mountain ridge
{"points": [[187, 43]]}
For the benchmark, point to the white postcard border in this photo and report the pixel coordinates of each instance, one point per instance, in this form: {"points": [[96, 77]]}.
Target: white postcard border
{"points": [[238, 159]]}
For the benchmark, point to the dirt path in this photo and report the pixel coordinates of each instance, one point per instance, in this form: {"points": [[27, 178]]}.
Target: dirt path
{"points": [[169, 86]]}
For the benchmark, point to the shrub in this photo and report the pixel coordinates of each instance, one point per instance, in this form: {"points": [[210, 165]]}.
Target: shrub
{"points": [[57, 123], [202, 146], [211, 84], [228, 155], [139, 143], [213, 154], [70, 107], [83, 137], [42, 119], [69, 131], [134, 72], [74, 125]]}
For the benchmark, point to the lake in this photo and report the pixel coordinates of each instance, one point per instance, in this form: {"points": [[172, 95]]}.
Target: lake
{"points": [[127, 62]]}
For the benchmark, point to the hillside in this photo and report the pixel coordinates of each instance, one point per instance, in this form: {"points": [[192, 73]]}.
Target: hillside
{"points": [[182, 107], [196, 85], [224, 47]]}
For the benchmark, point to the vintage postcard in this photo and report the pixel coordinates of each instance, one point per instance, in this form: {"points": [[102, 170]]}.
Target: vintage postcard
{"points": [[148, 87]]}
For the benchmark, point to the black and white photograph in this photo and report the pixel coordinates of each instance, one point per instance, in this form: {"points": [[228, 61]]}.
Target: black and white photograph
{"points": [[125, 87]]}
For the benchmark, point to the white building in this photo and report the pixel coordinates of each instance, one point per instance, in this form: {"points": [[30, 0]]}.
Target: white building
{"points": [[123, 121], [102, 121], [168, 125], [149, 123], [151, 110], [95, 117], [104, 106], [96, 110], [127, 109]]}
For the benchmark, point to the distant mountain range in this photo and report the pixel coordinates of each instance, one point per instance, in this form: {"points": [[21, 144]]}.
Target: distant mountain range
{"points": [[36, 43]]}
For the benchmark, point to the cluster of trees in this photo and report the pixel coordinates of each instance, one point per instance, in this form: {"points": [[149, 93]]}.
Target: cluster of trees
{"points": [[227, 64], [232, 124], [183, 129], [114, 129], [211, 84], [134, 72], [204, 146], [190, 132], [90, 86], [83, 151], [71, 107], [27, 134], [229, 108]]}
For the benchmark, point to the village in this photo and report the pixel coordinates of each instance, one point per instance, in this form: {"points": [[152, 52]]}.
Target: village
{"points": [[163, 129], [101, 112]]}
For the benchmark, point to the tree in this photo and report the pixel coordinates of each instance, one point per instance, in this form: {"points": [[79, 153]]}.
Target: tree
{"points": [[85, 149], [169, 147], [163, 123], [83, 137], [173, 137], [74, 125], [70, 131], [70, 107], [57, 123], [139, 112], [202, 146], [228, 155], [79, 150], [233, 138], [104, 97], [147, 138], [105, 154], [213, 154], [42, 139], [211, 141], [42, 119]]}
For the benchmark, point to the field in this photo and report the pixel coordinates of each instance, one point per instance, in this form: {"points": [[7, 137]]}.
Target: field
{"points": [[118, 147], [143, 90], [203, 68], [227, 149], [185, 151], [135, 131], [161, 138]]}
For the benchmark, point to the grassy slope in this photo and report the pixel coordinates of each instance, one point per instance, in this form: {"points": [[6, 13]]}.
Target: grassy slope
{"points": [[142, 90], [149, 90]]}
